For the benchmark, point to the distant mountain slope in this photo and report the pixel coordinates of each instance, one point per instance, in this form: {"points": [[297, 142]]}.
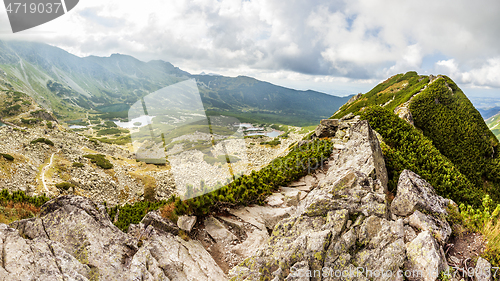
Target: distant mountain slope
{"points": [[71, 86], [445, 116], [493, 123]]}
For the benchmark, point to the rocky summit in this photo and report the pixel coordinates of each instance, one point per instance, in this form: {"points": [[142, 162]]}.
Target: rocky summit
{"points": [[339, 223]]}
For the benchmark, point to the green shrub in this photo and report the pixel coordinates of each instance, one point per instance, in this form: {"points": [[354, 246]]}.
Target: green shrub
{"points": [[111, 131], [78, 165], [64, 185], [7, 156], [49, 125], [457, 129], [20, 197], [134, 213], [274, 142], [485, 220], [407, 148], [42, 140], [100, 160], [254, 188]]}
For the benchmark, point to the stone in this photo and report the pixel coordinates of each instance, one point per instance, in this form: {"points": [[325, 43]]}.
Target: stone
{"points": [[439, 228], [22, 259], [326, 128], [482, 271], [299, 272], [74, 239], [160, 223], [276, 199], [414, 193], [425, 257], [410, 233], [218, 231], [255, 240], [262, 217], [186, 223]]}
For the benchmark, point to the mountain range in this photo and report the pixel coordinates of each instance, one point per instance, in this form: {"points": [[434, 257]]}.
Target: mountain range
{"points": [[71, 86]]}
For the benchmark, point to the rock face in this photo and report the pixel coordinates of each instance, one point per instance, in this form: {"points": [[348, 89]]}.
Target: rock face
{"points": [[425, 257], [334, 225], [341, 223], [74, 237], [327, 128], [345, 225], [414, 193]]}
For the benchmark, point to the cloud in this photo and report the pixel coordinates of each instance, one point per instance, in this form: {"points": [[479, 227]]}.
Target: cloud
{"points": [[363, 40]]}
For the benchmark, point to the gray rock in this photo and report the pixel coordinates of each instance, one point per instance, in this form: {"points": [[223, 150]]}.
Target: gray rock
{"points": [[414, 193], [326, 128], [482, 271], [23, 259], [186, 223], [73, 239], [425, 258], [439, 228], [160, 223], [218, 231], [299, 272], [410, 234]]}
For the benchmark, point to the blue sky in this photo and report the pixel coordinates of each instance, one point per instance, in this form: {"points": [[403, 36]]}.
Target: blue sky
{"points": [[337, 47]]}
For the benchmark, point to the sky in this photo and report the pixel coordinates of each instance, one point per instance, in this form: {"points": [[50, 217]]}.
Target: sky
{"points": [[336, 47]]}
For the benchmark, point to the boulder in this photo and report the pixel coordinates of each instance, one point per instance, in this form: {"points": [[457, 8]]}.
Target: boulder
{"points": [[482, 271], [425, 258], [218, 231], [439, 228], [74, 239], [22, 259], [159, 223], [414, 193], [186, 223], [326, 128]]}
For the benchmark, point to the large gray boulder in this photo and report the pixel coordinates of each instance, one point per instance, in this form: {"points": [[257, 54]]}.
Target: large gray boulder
{"points": [[74, 239], [24, 259], [415, 193], [327, 128], [425, 258]]}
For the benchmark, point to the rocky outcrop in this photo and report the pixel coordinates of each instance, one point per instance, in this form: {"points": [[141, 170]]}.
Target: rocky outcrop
{"points": [[74, 237], [341, 223], [326, 128], [344, 229], [335, 224]]}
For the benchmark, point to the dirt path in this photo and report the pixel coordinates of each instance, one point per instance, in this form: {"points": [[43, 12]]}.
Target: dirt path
{"points": [[44, 169]]}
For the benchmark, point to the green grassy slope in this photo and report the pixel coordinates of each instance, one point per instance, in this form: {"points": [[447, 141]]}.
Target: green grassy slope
{"points": [[449, 124], [71, 86]]}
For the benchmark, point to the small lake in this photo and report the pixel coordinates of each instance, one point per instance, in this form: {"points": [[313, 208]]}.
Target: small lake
{"points": [[143, 120], [271, 134], [2, 124], [76, 127]]}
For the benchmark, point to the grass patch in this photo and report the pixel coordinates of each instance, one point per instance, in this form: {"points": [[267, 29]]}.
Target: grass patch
{"points": [[7, 156], [64, 185], [100, 160], [220, 159], [42, 140]]}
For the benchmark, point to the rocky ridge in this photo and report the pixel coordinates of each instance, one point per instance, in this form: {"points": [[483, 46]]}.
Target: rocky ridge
{"points": [[337, 220]]}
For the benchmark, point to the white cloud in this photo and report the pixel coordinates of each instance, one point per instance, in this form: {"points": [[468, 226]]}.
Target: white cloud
{"points": [[358, 40]]}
